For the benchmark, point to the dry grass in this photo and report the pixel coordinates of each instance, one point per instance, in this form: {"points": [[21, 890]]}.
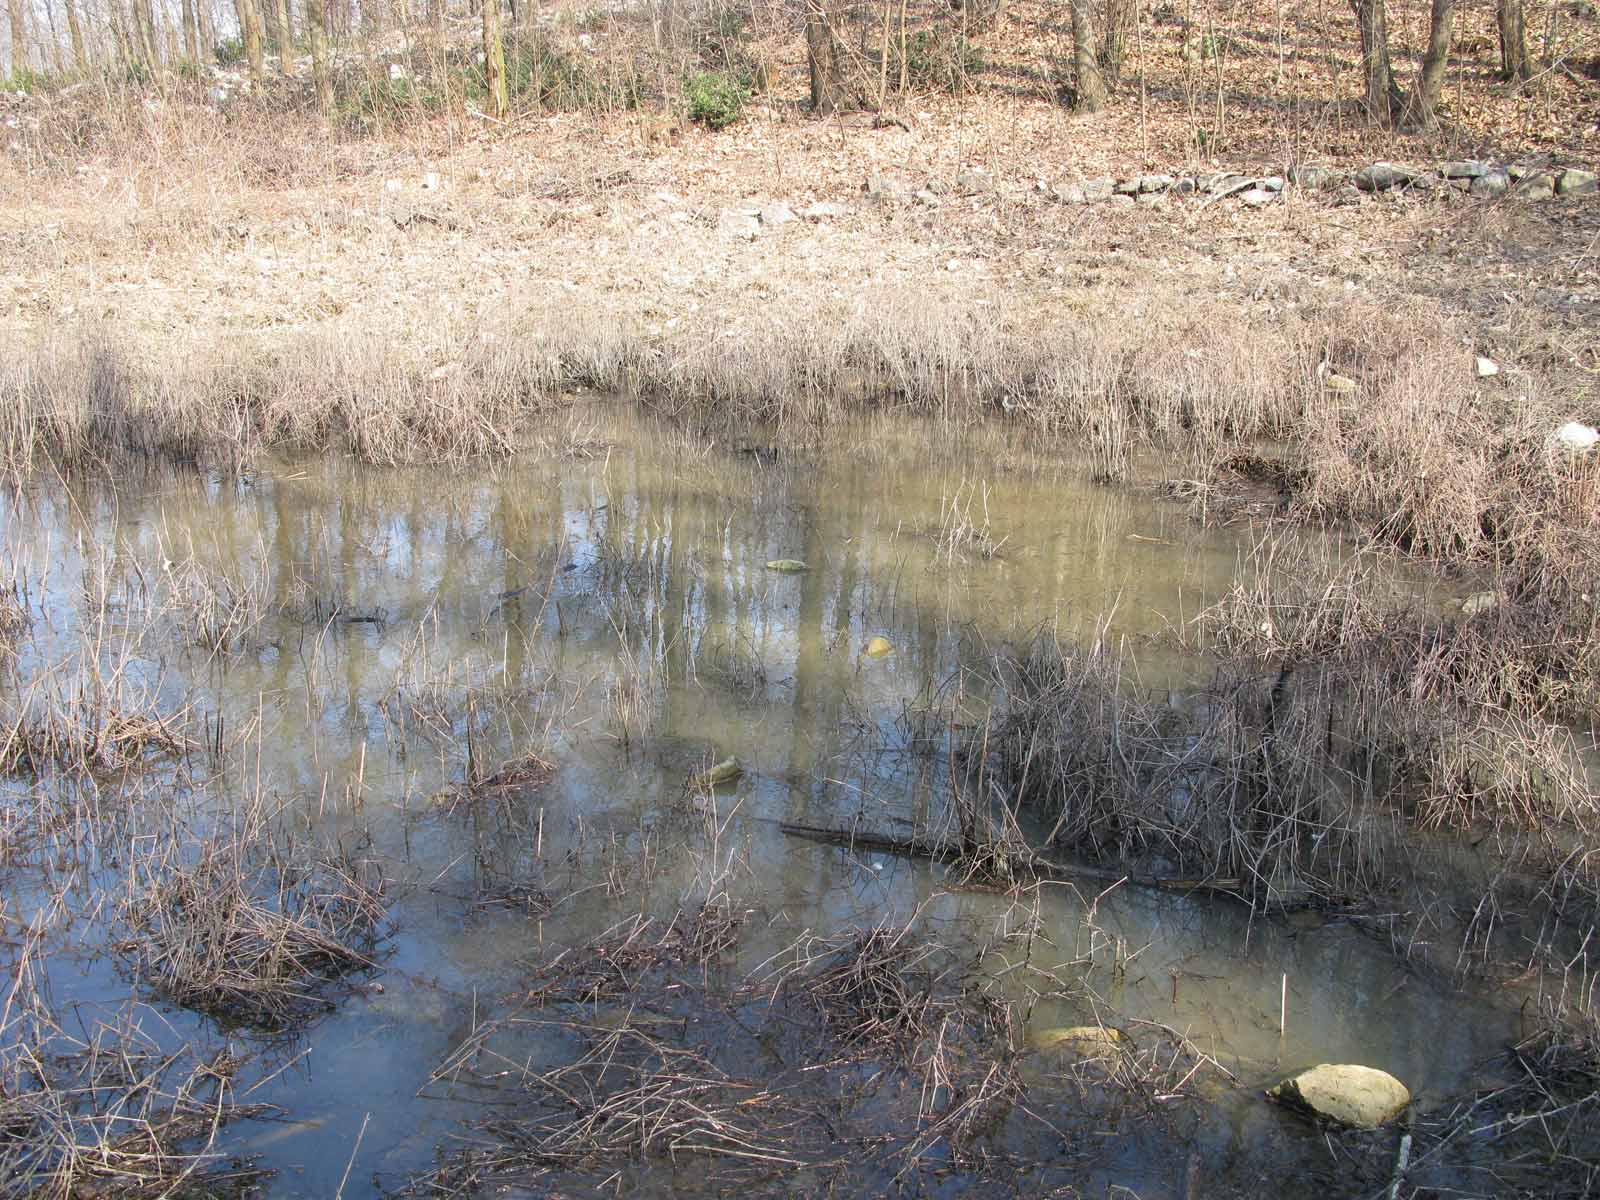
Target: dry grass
{"points": [[249, 933]]}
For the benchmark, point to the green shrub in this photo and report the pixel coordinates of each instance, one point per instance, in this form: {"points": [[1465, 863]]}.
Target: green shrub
{"points": [[716, 98]]}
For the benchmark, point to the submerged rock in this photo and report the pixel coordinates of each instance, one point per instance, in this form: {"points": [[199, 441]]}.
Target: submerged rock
{"points": [[789, 566], [1089, 1041], [725, 771], [1360, 1097], [878, 647]]}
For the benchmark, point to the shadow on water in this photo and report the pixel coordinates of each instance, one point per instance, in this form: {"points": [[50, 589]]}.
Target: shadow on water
{"points": [[499, 699]]}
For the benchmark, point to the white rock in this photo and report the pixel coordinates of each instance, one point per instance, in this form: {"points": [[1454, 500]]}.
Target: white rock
{"points": [[397, 72], [1575, 435], [1486, 367], [822, 210], [392, 185], [1361, 1097], [430, 181], [1257, 197]]}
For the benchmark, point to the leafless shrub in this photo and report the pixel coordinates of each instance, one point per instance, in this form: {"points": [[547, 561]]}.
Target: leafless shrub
{"points": [[249, 933]]}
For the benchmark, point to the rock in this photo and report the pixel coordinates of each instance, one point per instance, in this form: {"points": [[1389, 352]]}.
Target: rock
{"points": [[1470, 169], [1315, 177], [879, 647], [1485, 366], [777, 213], [1517, 173], [1155, 183], [928, 198], [937, 186], [397, 73], [1478, 602], [1096, 190], [725, 771], [1089, 1041], [1538, 186], [1257, 197], [1183, 187], [1489, 186], [1224, 184], [1153, 199], [1360, 1097], [1342, 384], [824, 210], [1126, 187], [1069, 193], [1573, 182], [969, 182], [430, 181], [1122, 201], [1381, 176], [789, 566], [1575, 435], [392, 185], [733, 223], [1272, 183]]}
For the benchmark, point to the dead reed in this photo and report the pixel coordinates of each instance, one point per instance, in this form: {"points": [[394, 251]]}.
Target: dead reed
{"points": [[250, 933]]}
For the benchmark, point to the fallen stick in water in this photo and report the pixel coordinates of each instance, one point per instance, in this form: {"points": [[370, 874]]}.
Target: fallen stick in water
{"points": [[944, 851]]}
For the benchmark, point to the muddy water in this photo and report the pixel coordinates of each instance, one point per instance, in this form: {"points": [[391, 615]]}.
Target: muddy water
{"points": [[609, 605]]}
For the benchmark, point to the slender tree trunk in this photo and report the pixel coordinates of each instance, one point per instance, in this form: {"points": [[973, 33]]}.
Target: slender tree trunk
{"points": [[19, 42], [823, 57], [1091, 93], [285, 39], [1513, 42], [494, 58], [1121, 17], [250, 26], [75, 32], [316, 29], [191, 32], [149, 36], [1422, 106], [1383, 98], [206, 25]]}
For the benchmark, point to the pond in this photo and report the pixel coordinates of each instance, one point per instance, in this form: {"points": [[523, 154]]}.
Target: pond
{"points": [[497, 698]]}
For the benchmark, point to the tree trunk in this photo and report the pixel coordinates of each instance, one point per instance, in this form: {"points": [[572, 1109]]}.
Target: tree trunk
{"points": [[823, 56], [149, 35], [1383, 99], [285, 39], [494, 58], [1090, 84], [207, 29], [316, 29], [1422, 107], [1513, 43], [191, 32], [19, 44], [1121, 18], [75, 32], [250, 26]]}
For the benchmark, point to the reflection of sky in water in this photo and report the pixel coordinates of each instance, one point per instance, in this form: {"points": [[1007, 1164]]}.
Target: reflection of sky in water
{"points": [[539, 584]]}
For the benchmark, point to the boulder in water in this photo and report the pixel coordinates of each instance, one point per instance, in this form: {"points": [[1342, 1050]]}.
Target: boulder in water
{"points": [[1360, 1097]]}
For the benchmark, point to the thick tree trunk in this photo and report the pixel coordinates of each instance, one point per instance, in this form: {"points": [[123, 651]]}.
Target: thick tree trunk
{"points": [[823, 56], [494, 58], [191, 32], [207, 28], [285, 39], [1383, 98], [1513, 42], [1091, 91], [250, 26], [316, 30], [75, 32], [1121, 18], [19, 42], [1422, 108]]}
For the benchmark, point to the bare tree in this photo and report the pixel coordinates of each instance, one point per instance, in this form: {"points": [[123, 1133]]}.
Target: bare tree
{"points": [[1513, 42], [1383, 99], [285, 39], [316, 29], [75, 32], [250, 27], [494, 58], [19, 43], [824, 55], [1090, 91], [1422, 107]]}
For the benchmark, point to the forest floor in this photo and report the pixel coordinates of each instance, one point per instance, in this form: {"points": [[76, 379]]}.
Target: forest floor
{"points": [[184, 225]]}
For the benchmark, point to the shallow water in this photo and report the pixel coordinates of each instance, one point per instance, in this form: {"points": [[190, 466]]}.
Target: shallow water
{"points": [[609, 606]]}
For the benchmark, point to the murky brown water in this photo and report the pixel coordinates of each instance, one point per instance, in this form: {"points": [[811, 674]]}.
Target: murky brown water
{"points": [[610, 606]]}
